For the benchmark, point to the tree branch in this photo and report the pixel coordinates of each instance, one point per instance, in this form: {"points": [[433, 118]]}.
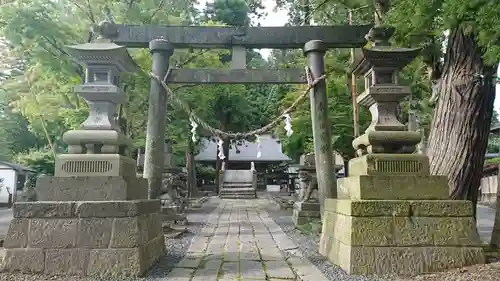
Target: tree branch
{"points": [[160, 6]]}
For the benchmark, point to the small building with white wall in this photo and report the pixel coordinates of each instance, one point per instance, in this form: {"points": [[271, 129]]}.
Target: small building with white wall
{"points": [[13, 177]]}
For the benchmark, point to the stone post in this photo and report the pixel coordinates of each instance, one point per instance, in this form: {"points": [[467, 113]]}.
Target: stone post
{"points": [[94, 213], [161, 52], [392, 214], [315, 51]]}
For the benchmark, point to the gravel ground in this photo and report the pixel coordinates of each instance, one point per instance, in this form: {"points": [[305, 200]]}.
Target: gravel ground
{"points": [[175, 251], [308, 244]]}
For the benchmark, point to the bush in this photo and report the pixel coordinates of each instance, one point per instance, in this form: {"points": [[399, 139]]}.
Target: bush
{"points": [[42, 161]]}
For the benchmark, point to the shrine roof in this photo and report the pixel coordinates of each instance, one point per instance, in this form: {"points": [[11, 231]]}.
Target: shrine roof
{"points": [[271, 151]]}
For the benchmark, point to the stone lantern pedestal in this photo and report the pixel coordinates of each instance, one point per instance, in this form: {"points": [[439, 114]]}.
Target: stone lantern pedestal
{"points": [[391, 215], [93, 217]]}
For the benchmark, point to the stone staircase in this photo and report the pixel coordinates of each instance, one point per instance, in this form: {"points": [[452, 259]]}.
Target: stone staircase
{"points": [[238, 184]]}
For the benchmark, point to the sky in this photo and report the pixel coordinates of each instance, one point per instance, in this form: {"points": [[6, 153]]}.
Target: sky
{"points": [[280, 17]]}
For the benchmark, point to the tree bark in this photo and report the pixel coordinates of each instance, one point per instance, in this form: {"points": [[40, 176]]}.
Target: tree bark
{"points": [[459, 131]]}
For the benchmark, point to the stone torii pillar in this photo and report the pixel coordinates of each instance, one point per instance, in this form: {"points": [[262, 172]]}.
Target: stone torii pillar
{"points": [[325, 172], [93, 217], [161, 51]]}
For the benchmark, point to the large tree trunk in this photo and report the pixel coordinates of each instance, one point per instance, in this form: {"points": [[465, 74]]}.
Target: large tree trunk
{"points": [[461, 123]]}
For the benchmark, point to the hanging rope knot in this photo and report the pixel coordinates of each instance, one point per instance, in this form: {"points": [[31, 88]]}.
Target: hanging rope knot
{"points": [[219, 134], [311, 81]]}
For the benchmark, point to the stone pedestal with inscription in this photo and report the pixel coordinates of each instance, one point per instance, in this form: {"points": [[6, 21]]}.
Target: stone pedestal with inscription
{"points": [[391, 215], [93, 217]]}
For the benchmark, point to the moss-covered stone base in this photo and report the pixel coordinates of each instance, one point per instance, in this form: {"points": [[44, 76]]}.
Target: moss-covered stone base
{"points": [[303, 212], [404, 237]]}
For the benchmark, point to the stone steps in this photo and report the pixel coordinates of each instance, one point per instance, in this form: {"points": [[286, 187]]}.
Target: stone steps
{"points": [[238, 192]]}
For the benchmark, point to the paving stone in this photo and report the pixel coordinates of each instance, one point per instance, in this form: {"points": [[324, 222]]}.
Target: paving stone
{"points": [[269, 251], [251, 269], [248, 251], [198, 245], [180, 274], [188, 262], [278, 269], [208, 271], [229, 271], [232, 249], [283, 242], [216, 246], [306, 271]]}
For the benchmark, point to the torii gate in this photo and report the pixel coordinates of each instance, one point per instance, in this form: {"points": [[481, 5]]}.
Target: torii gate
{"points": [[163, 40]]}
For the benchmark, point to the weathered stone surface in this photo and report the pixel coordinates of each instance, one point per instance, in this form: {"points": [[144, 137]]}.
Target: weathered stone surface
{"points": [[399, 208], [17, 235], [53, 233], [152, 251], [394, 187], [24, 260], [279, 269], [188, 262], [44, 209], [308, 214], [251, 269], [115, 262], [108, 209], [291, 37], [129, 232], [237, 76], [208, 271], [180, 274], [390, 164], [305, 270], [94, 233], [89, 189], [401, 231], [306, 206], [66, 261], [83, 245], [365, 260], [229, 271]]}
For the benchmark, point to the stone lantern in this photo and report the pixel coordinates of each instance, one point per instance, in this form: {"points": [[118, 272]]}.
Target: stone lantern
{"points": [[391, 216], [99, 147], [93, 217]]}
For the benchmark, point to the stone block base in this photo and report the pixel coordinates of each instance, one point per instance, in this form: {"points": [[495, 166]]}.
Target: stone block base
{"points": [[303, 212], [104, 239], [86, 188], [403, 237]]}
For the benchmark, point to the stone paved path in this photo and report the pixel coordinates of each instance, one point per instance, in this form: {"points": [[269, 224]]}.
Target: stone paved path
{"points": [[241, 242]]}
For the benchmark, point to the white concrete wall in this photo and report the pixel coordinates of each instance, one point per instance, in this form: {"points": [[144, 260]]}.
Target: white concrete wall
{"points": [[488, 189], [9, 177]]}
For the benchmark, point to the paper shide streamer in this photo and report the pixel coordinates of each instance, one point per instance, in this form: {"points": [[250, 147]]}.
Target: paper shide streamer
{"points": [[221, 155], [193, 129], [288, 124], [257, 140]]}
